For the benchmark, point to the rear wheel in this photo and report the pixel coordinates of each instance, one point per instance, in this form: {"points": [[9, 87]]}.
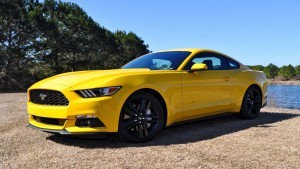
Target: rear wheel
{"points": [[141, 118], [251, 103]]}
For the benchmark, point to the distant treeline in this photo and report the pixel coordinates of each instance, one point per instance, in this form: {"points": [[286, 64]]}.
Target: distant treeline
{"points": [[38, 40], [279, 73]]}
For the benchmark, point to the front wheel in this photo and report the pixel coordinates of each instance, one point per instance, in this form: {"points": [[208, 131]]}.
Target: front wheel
{"points": [[251, 103], [141, 118]]}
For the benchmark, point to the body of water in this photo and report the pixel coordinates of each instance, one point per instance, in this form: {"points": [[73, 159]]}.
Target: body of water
{"points": [[285, 96]]}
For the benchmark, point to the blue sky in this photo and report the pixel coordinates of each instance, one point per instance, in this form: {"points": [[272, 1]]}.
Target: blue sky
{"points": [[252, 31]]}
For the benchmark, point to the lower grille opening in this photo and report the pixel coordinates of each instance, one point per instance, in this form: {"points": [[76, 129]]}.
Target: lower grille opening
{"points": [[51, 121], [89, 122]]}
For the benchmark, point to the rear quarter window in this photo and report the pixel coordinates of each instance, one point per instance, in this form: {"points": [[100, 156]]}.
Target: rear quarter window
{"points": [[232, 64]]}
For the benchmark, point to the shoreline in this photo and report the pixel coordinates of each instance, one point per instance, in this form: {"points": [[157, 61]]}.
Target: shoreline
{"points": [[288, 82]]}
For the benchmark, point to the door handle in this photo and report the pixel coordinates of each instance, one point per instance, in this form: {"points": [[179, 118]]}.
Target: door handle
{"points": [[226, 78]]}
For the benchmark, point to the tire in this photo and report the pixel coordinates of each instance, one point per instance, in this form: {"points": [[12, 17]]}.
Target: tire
{"points": [[251, 103], [141, 118]]}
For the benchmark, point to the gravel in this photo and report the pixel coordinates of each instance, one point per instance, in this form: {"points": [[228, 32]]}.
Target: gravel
{"points": [[271, 141]]}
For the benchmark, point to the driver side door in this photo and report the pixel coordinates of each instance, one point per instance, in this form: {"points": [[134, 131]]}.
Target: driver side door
{"points": [[206, 92]]}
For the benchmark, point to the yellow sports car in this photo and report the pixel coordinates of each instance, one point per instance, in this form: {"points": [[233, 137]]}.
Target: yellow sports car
{"points": [[153, 91]]}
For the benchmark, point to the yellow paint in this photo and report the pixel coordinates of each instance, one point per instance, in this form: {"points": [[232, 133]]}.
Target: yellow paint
{"points": [[187, 95], [199, 66]]}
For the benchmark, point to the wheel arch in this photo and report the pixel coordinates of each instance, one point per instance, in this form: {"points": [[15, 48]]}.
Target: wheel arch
{"points": [[158, 96], [251, 113], [240, 91], [256, 86], [259, 89]]}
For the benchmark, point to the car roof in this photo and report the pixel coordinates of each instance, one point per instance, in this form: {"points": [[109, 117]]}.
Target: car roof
{"points": [[184, 49], [193, 50]]}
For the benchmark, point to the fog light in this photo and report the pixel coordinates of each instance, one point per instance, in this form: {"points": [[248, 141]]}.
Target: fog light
{"points": [[88, 121]]}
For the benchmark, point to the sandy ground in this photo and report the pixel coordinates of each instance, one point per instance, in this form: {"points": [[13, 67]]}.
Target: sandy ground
{"points": [[271, 141]]}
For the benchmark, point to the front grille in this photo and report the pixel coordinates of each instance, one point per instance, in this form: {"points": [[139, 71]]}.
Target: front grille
{"points": [[48, 97]]}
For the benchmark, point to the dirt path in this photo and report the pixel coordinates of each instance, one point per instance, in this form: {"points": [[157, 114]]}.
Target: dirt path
{"points": [[271, 141]]}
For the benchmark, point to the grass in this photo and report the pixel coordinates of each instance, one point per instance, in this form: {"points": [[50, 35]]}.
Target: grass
{"points": [[271, 141]]}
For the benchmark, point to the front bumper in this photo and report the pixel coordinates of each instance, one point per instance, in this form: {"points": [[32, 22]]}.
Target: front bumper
{"points": [[62, 119], [64, 132]]}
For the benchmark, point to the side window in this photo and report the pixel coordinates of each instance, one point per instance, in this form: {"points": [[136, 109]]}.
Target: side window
{"points": [[232, 64], [213, 62], [159, 64]]}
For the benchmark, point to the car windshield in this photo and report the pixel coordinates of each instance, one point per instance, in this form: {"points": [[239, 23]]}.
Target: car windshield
{"points": [[159, 61]]}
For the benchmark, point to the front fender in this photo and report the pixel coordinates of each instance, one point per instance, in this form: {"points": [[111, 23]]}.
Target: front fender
{"points": [[168, 86]]}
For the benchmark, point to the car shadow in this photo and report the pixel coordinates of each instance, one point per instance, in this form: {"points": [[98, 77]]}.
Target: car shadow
{"points": [[182, 134]]}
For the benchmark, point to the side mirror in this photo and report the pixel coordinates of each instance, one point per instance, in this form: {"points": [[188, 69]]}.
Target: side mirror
{"points": [[198, 67]]}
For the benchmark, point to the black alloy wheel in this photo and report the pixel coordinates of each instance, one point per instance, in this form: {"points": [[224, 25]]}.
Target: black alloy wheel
{"points": [[141, 118], [251, 103]]}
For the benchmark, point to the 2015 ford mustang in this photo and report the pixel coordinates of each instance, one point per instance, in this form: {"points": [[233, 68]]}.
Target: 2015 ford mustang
{"points": [[153, 91]]}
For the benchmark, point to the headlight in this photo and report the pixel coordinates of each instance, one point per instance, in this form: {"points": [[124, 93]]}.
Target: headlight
{"points": [[97, 92]]}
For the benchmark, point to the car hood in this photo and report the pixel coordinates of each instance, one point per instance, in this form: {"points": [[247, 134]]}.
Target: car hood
{"points": [[94, 78]]}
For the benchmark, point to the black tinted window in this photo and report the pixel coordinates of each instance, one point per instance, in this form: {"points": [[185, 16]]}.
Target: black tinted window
{"points": [[159, 61], [232, 64], [212, 61]]}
